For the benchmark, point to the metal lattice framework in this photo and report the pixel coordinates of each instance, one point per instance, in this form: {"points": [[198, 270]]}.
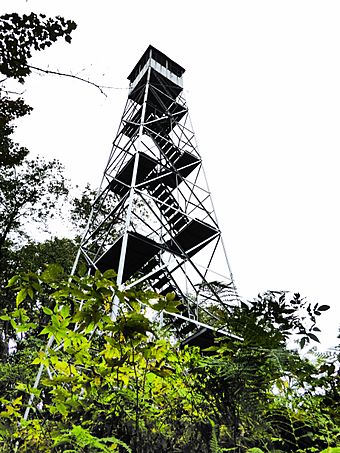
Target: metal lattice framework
{"points": [[153, 220]]}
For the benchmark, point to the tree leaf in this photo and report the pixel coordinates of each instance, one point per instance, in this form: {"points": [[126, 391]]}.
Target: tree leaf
{"points": [[5, 318], [110, 273], [170, 297], [21, 296], [12, 281], [302, 342], [313, 337], [324, 308], [47, 311]]}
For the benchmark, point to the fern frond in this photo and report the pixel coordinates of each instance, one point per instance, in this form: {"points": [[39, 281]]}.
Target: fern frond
{"points": [[80, 437]]}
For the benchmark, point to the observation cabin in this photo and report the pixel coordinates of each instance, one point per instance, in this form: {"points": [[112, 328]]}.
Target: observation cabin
{"points": [[162, 66]]}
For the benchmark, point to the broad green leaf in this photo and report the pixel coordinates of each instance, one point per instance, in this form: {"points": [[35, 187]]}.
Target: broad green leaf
{"points": [[5, 318], [110, 273], [48, 330], [97, 274], [21, 296], [65, 311], [17, 401], [55, 321], [12, 281], [170, 296], [331, 450], [47, 311], [61, 293], [104, 283]]}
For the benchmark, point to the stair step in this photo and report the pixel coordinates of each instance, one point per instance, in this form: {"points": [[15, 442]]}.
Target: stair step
{"points": [[188, 328], [165, 197], [161, 282], [169, 206], [168, 212], [169, 289], [173, 156], [157, 274], [151, 265], [178, 221], [156, 192]]}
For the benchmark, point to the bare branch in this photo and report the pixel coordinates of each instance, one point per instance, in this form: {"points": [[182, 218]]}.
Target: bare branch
{"points": [[63, 74], [12, 92]]}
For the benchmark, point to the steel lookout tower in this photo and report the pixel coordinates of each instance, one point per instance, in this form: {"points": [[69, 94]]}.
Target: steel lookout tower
{"points": [[153, 220]]}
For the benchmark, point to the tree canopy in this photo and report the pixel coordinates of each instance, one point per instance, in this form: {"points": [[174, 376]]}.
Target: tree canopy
{"points": [[31, 189]]}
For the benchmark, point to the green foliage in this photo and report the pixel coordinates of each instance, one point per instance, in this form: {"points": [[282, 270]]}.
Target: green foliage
{"points": [[81, 438], [10, 109], [22, 34], [29, 189], [214, 444], [81, 207], [103, 365], [274, 317], [31, 192], [331, 450], [19, 35], [29, 257], [121, 383]]}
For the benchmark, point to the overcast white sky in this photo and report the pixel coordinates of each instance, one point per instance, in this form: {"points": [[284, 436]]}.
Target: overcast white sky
{"points": [[262, 85]]}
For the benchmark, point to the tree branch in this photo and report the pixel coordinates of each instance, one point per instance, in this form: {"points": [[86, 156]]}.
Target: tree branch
{"points": [[63, 74], [11, 92]]}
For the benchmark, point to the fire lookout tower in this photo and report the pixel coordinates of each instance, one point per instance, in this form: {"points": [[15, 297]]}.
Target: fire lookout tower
{"points": [[153, 220]]}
